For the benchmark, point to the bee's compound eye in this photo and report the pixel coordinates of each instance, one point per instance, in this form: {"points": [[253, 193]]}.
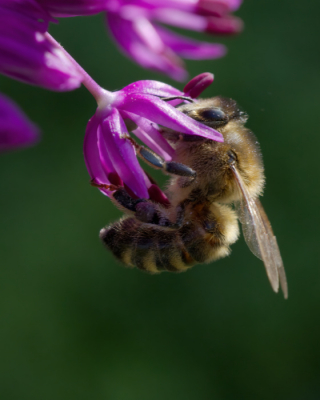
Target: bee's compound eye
{"points": [[214, 115], [232, 157]]}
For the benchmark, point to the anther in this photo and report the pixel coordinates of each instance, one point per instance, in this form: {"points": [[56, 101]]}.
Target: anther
{"points": [[104, 186]]}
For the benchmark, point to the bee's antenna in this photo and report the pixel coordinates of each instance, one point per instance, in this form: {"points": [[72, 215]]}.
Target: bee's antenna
{"points": [[176, 98]]}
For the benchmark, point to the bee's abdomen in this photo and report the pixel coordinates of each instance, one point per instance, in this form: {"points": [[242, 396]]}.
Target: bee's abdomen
{"points": [[202, 246], [118, 238], [150, 248]]}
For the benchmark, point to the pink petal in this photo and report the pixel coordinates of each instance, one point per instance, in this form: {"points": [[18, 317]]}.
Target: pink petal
{"points": [[92, 155], [67, 8], [156, 194], [26, 54], [122, 154], [218, 7], [189, 48], [180, 19], [227, 25], [148, 35], [131, 44], [162, 113], [198, 84], [149, 135], [155, 88]]}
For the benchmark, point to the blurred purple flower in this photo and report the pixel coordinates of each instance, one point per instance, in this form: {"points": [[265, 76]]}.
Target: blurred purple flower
{"points": [[198, 84], [69, 8], [27, 54], [109, 153], [135, 26], [15, 128]]}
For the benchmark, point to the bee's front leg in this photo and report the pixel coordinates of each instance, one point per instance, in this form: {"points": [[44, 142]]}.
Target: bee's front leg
{"points": [[170, 167], [120, 196]]}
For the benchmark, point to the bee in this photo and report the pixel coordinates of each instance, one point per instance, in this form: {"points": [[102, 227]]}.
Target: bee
{"points": [[212, 186]]}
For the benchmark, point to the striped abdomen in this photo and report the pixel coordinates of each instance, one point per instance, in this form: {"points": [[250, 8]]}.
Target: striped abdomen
{"points": [[155, 249]]}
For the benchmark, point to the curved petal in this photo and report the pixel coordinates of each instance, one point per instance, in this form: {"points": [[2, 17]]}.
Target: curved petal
{"points": [[157, 195], [190, 48], [148, 35], [131, 44], [234, 4], [149, 135], [198, 84], [98, 163], [132, 24], [122, 154], [26, 54], [217, 7], [154, 4], [30, 9], [15, 128], [226, 25], [92, 155], [189, 5], [155, 88], [181, 19], [162, 113], [67, 8]]}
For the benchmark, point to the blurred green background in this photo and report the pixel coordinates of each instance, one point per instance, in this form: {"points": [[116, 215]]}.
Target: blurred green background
{"points": [[77, 325]]}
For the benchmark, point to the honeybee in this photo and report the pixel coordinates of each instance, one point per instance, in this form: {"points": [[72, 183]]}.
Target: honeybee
{"points": [[212, 185]]}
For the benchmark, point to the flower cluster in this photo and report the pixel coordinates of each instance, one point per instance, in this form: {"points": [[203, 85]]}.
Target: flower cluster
{"points": [[26, 54], [29, 54], [136, 26], [109, 154]]}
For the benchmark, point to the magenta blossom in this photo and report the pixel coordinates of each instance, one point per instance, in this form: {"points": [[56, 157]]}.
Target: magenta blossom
{"points": [[136, 25], [68, 8], [27, 54], [15, 129], [110, 152]]}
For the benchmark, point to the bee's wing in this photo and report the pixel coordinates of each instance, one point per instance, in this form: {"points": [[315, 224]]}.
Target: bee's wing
{"points": [[259, 236]]}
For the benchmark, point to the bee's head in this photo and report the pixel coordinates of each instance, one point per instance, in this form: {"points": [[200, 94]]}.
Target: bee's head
{"points": [[215, 112], [213, 161]]}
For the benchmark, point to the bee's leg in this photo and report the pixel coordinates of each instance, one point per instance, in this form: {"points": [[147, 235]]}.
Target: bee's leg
{"points": [[121, 196], [147, 211], [171, 167], [144, 210], [181, 208]]}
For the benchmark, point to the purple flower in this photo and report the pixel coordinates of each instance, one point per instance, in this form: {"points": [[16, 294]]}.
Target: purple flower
{"points": [[67, 8], [198, 84], [136, 27], [110, 152], [27, 53], [15, 129]]}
